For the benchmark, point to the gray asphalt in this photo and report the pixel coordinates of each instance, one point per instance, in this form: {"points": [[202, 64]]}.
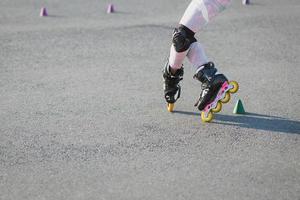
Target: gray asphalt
{"points": [[82, 113]]}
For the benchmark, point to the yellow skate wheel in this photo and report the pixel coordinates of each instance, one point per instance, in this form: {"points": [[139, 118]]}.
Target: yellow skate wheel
{"points": [[235, 87], [226, 98], [218, 108], [209, 117], [171, 107]]}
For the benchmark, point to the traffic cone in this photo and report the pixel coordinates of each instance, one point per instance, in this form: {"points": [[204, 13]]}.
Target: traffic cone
{"points": [[43, 12], [239, 108], [110, 8], [246, 2]]}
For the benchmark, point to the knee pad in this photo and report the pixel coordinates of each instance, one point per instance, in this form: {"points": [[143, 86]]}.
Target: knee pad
{"points": [[183, 37]]}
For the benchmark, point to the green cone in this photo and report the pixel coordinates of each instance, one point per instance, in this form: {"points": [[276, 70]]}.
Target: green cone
{"points": [[239, 108]]}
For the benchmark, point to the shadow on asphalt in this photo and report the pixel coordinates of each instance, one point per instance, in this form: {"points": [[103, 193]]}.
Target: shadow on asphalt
{"points": [[254, 121]]}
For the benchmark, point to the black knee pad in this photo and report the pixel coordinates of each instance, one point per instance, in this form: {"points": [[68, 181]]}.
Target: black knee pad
{"points": [[183, 37]]}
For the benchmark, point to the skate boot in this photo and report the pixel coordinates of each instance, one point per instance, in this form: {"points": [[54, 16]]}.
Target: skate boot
{"points": [[216, 90], [171, 85]]}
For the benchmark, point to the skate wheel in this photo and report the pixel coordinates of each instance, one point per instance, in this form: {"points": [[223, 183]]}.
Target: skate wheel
{"points": [[226, 98], [208, 118], [235, 86], [170, 107], [218, 108]]}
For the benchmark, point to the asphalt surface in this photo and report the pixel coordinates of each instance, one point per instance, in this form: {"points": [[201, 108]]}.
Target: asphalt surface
{"points": [[82, 113]]}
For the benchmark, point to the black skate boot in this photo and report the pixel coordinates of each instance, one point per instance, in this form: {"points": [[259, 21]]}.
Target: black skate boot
{"points": [[171, 85], [211, 84], [215, 90]]}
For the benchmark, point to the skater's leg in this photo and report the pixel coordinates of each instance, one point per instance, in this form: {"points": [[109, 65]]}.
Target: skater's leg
{"points": [[200, 12], [182, 38], [195, 17], [176, 59], [196, 55]]}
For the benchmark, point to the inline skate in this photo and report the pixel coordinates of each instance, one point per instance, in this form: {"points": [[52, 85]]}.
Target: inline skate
{"points": [[172, 88], [216, 90]]}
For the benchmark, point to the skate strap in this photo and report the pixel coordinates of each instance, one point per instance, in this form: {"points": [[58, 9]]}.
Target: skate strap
{"points": [[178, 93]]}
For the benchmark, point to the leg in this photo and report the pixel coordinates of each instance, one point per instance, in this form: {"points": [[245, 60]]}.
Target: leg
{"points": [[195, 17], [183, 37], [198, 14], [196, 55], [173, 71]]}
